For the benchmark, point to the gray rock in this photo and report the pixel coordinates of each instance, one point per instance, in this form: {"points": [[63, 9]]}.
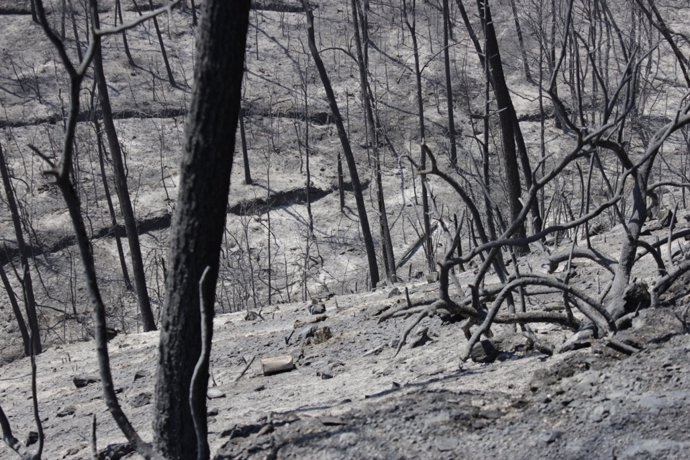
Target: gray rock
{"points": [[315, 335], [599, 413], [81, 381], [317, 309], [65, 411], [447, 444], [139, 375], [214, 393], [549, 437], [140, 400], [656, 448]]}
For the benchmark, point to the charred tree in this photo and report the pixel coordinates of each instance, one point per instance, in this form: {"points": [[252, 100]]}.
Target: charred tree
{"points": [[198, 225], [121, 186], [27, 284], [359, 20], [412, 28], [506, 117], [347, 149]]}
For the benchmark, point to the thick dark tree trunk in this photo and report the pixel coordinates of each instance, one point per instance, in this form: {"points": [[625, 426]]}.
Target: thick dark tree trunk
{"points": [[522, 149], [504, 103], [27, 285], [347, 149], [199, 222], [123, 191]]}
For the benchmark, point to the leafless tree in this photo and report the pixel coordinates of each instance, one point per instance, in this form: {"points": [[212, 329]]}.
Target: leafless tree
{"points": [[347, 149], [25, 280]]}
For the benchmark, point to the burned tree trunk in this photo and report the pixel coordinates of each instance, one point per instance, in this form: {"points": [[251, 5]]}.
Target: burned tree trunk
{"points": [[198, 224], [347, 149], [27, 285]]}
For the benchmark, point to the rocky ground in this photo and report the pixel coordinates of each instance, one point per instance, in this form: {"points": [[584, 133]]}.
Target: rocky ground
{"points": [[350, 396]]}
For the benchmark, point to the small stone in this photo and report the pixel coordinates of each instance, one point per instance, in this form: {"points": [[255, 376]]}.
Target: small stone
{"points": [[447, 444], [314, 335], [140, 400], [484, 352], [324, 375], [65, 411], [139, 375], [599, 413], [550, 436], [253, 316], [347, 439], [81, 381], [317, 309], [321, 335], [214, 393], [213, 412]]}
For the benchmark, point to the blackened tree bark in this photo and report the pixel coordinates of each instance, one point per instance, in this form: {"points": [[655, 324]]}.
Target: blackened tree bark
{"points": [[27, 285], [109, 202], [449, 87], [506, 118], [245, 154], [125, 43], [521, 147], [521, 42], [34, 18], [168, 69], [12, 297], [360, 24], [411, 26], [347, 149], [198, 223], [121, 187]]}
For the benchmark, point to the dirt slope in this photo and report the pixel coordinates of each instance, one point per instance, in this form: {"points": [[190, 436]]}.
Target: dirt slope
{"points": [[350, 397]]}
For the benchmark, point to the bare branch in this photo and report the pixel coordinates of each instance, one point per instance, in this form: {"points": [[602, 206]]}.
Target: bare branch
{"points": [[201, 366], [130, 25], [582, 253]]}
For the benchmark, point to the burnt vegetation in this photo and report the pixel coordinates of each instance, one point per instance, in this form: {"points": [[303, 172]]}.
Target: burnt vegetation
{"points": [[529, 158]]}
